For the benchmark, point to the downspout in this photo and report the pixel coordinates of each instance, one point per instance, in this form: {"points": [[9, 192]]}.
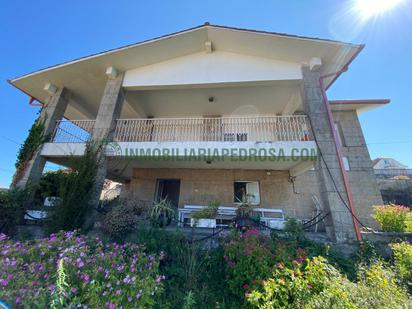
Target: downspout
{"points": [[344, 174]]}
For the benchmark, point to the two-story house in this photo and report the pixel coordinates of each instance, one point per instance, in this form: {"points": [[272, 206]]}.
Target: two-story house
{"points": [[216, 112]]}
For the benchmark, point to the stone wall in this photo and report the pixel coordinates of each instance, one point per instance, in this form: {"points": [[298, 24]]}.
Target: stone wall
{"points": [[361, 174], [198, 186]]}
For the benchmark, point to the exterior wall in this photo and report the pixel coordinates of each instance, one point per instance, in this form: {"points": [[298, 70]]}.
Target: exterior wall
{"points": [[361, 174], [198, 186]]}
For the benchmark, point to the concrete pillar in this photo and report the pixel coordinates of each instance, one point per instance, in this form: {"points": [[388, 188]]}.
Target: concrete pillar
{"points": [[339, 226], [109, 110], [50, 113]]}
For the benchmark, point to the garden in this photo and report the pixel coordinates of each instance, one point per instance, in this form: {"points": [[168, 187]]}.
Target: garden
{"points": [[136, 261], [166, 269]]}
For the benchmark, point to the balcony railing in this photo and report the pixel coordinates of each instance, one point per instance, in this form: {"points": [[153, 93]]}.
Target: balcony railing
{"points": [[73, 131], [219, 129]]}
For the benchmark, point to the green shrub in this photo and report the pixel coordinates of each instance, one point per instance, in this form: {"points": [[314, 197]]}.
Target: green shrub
{"points": [[119, 221], [35, 138], [377, 288], [71, 271], [76, 192], [294, 229], [162, 213], [391, 218], [402, 254], [12, 209], [208, 212], [194, 273], [50, 184], [316, 284]]}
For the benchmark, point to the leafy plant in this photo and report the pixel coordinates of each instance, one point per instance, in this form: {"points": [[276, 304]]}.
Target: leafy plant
{"points": [[190, 267], [75, 192], [50, 184], [402, 254], [294, 229], [35, 138], [314, 283], [391, 218], [208, 212], [162, 212], [119, 221], [59, 293], [245, 209], [12, 208]]}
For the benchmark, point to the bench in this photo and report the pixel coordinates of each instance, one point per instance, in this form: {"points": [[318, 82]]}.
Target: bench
{"points": [[273, 218], [38, 215]]}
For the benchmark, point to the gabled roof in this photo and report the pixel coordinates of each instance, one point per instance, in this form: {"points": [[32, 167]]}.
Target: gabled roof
{"points": [[85, 76]]}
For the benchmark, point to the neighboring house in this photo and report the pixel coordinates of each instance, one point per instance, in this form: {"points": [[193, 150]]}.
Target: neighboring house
{"points": [[394, 181], [388, 163], [216, 112]]}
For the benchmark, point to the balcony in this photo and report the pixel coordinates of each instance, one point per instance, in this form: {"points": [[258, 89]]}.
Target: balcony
{"points": [[258, 142], [211, 129]]}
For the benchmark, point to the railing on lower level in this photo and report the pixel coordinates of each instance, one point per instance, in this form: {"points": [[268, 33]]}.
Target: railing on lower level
{"points": [[219, 129]]}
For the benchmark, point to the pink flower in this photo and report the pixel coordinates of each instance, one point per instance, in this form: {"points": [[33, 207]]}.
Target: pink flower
{"points": [[85, 278]]}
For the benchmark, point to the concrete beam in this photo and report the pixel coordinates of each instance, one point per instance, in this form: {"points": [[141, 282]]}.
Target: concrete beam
{"points": [[301, 168]]}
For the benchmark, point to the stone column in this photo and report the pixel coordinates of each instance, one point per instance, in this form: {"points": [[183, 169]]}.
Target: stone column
{"points": [[109, 110], [339, 226], [50, 113]]}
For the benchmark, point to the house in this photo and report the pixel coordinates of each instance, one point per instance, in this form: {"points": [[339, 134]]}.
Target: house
{"points": [[388, 163], [216, 112], [394, 181]]}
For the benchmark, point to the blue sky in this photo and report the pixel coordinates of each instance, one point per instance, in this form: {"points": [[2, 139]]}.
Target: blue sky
{"points": [[36, 34]]}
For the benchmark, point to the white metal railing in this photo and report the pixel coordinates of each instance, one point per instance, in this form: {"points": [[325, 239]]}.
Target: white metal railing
{"points": [[259, 128], [73, 131], [227, 129]]}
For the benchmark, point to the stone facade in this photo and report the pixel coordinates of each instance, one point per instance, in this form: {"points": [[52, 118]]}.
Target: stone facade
{"points": [[361, 174], [198, 186]]}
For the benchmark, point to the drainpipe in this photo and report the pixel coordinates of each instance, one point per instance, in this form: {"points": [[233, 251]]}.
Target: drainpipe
{"points": [[339, 150]]}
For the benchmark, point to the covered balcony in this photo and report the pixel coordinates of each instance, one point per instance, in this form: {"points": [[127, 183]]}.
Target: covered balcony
{"points": [[212, 129], [254, 142]]}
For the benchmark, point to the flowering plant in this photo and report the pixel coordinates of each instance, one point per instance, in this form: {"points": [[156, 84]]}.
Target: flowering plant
{"points": [[81, 271], [248, 260], [392, 218]]}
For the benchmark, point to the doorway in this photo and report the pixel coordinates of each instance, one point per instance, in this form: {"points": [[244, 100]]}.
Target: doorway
{"points": [[168, 188]]}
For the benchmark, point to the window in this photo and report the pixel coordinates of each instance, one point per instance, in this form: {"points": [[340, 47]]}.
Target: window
{"points": [[339, 132], [246, 190], [346, 163]]}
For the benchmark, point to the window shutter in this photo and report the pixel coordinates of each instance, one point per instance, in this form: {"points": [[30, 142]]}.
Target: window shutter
{"points": [[252, 188]]}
